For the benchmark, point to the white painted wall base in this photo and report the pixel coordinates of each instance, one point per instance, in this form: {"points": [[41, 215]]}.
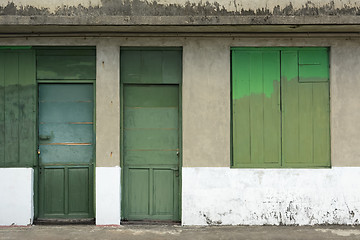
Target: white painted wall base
{"points": [[108, 195], [224, 196], [16, 199]]}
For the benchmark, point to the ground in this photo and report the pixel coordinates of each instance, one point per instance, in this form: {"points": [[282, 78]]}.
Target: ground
{"points": [[134, 232]]}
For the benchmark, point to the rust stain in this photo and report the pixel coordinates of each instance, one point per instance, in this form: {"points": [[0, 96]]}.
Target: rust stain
{"points": [[148, 107], [80, 122], [67, 122], [68, 144], [49, 101], [150, 128], [110, 154], [162, 150]]}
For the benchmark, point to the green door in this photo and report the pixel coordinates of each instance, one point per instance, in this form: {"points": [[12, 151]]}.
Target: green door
{"points": [[151, 152], [66, 137]]}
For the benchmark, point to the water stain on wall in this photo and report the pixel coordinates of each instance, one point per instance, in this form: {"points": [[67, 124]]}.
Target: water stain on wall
{"points": [[153, 8]]}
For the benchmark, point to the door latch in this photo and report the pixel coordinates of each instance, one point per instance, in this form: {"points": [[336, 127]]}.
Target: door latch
{"points": [[38, 151]]}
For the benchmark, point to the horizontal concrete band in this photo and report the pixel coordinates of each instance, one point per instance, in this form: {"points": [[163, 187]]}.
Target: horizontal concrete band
{"points": [[224, 196], [187, 20]]}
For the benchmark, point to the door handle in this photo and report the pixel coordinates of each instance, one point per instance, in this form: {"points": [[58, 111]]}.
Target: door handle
{"points": [[38, 151], [44, 137]]}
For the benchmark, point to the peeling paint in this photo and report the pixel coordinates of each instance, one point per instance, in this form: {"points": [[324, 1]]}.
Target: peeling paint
{"points": [[209, 221], [180, 8], [283, 197]]}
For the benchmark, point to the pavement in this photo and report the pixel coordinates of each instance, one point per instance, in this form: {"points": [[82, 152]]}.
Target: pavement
{"points": [[169, 232]]}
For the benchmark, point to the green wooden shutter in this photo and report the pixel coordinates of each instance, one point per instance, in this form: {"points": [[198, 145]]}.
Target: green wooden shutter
{"points": [[256, 108], [305, 108], [17, 108]]}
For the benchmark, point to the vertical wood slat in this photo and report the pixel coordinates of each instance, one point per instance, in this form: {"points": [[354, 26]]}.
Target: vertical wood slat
{"points": [[27, 106], [256, 108], [11, 109], [241, 107], [272, 115], [290, 108], [2, 109], [305, 103], [321, 124]]}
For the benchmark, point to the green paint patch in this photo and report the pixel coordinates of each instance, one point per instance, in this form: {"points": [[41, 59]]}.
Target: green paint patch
{"points": [[262, 89]]}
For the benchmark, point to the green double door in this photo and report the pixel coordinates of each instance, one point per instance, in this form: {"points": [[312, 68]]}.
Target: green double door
{"points": [[151, 152], [66, 151]]}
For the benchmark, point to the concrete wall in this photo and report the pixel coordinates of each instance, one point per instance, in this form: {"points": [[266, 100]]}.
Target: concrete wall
{"points": [[32, 16], [213, 193], [182, 7], [16, 201]]}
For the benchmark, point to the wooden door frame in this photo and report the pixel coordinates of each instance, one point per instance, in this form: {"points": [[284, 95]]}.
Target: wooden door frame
{"points": [[122, 143], [37, 165]]}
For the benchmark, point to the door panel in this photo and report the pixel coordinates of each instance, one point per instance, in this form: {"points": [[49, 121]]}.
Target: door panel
{"points": [[17, 108], [66, 150], [151, 145], [256, 108], [54, 190], [306, 106]]}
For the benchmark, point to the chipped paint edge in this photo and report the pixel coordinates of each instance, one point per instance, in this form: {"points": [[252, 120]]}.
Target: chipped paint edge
{"points": [[225, 196]]}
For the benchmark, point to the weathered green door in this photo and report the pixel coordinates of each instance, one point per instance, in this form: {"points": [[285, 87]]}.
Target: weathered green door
{"points": [[151, 149], [66, 150], [151, 79]]}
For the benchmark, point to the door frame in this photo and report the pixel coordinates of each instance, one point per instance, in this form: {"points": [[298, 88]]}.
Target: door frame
{"points": [[122, 210], [37, 165]]}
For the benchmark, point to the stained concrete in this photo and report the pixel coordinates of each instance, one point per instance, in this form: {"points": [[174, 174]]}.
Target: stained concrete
{"points": [[132, 232], [178, 12], [206, 103], [107, 105], [180, 7]]}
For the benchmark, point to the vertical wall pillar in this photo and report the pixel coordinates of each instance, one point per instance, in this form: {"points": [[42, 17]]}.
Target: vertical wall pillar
{"points": [[107, 135]]}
